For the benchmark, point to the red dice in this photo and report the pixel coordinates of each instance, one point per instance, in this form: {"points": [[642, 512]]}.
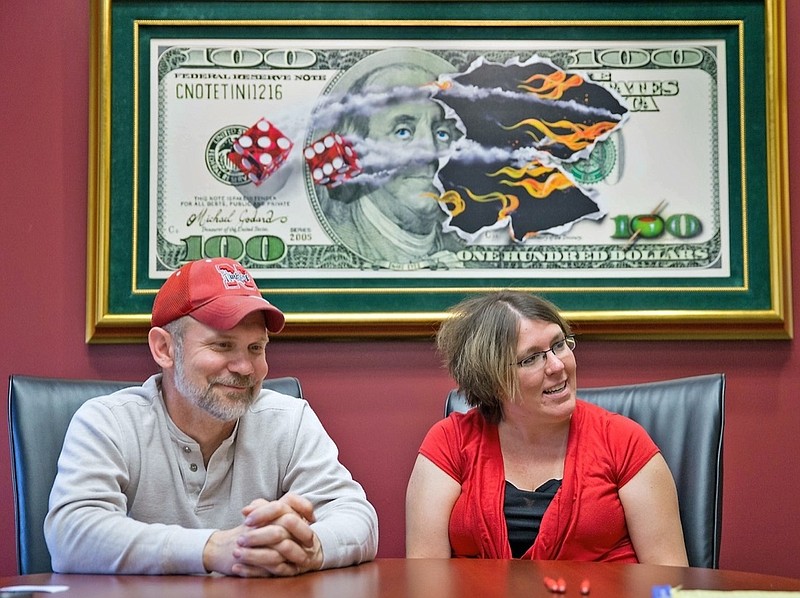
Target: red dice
{"points": [[260, 151], [332, 160]]}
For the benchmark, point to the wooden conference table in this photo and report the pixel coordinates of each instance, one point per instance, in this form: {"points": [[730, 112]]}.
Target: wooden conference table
{"points": [[420, 578]]}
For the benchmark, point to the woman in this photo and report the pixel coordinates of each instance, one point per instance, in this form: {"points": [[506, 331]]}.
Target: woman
{"points": [[534, 472]]}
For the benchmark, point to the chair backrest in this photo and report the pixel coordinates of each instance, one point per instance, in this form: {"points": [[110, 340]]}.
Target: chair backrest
{"points": [[685, 418], [39, 411]]}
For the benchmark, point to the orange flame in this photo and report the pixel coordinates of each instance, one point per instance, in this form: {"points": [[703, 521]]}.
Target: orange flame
{"points": [[531, 169], [509, 202], [527, 176], [443, 85], [551, 86], [452, 200], [542, 189], [578, 136]]}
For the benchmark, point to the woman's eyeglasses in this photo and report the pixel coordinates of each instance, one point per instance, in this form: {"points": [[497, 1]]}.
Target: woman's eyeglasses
{"points": [[538, 359]]}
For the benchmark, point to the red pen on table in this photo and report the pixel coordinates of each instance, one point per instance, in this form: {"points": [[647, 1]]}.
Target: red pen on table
{"points": [[551, 584]]}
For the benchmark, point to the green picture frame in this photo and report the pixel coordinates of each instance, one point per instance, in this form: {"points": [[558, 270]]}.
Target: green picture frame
{"points": [[749, 298]]}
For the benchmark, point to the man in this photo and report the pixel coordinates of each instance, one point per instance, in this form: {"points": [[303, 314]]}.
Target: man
{"points": [[394, 218], [200, 470]]}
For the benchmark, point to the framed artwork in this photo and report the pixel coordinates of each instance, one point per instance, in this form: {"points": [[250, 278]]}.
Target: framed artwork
{"points": [[372, 163]]}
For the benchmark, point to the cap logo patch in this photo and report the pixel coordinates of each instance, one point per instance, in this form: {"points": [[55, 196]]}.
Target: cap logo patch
{"points": [[234, 278]]}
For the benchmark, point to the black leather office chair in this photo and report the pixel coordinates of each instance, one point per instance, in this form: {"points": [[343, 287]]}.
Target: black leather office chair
{"points": [[39, 411], [685, 418]]}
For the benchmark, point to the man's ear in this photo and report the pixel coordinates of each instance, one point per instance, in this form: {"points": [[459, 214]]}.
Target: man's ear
{"points": [[161, 344]]}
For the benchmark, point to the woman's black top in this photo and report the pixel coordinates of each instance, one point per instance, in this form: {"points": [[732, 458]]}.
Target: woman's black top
{"points": [[524, 510]]}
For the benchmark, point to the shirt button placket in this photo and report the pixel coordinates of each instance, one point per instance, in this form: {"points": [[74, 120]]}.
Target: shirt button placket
{"points": [[192, 466]]}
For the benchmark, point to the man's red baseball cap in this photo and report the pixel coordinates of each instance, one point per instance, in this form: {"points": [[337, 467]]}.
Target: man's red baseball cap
{"points": [[218, 292]]}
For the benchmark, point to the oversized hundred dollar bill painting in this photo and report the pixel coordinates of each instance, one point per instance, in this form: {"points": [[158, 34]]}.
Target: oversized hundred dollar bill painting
{"points": [[464, 159], [373, 163]]}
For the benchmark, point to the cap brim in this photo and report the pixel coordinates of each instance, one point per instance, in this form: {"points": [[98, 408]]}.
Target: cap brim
{"points": [[224, 313]]}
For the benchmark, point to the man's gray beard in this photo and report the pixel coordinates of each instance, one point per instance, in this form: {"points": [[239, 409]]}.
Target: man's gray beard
{"points": [[204, 398]]}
